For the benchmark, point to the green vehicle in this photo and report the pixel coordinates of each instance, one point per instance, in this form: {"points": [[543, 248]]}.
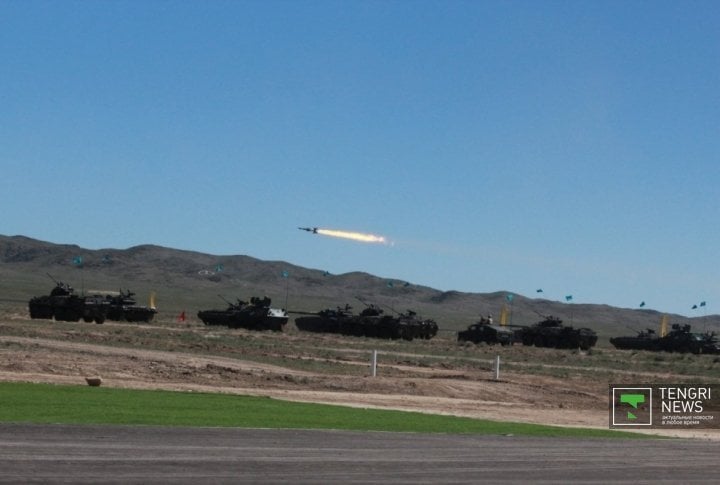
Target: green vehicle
{"points": [[64, 305], [550, 332], [485, 331]]}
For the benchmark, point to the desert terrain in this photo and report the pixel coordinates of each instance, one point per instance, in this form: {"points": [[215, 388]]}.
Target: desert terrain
{"points": [[544, 386]]}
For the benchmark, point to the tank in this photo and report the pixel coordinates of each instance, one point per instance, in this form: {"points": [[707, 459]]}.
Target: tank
{"points": [[550, 332], [64, 305], [485, 331], [415, 327], [374, 322], [325, 321], [255, 315], [371, 322], [645, 340], [124, 308], [679, 339]]}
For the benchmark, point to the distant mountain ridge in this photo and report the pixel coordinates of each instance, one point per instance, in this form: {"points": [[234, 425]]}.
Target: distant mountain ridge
{"points": [[189, 280]]}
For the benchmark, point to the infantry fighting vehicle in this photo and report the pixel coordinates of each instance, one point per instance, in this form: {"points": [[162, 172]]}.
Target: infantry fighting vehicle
{"points": [[550, 332], [63, 304], [485, 331], [255, 315]]}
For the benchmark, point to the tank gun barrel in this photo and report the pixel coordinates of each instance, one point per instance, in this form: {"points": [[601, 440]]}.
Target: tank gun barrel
{"points": [[51, 277], [225, 300]]}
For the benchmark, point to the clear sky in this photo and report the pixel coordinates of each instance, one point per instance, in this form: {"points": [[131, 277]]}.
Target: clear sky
{"points": [[572, 146]]}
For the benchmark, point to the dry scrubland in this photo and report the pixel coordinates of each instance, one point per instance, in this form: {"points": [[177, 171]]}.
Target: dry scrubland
{"points": [[546, 386]]}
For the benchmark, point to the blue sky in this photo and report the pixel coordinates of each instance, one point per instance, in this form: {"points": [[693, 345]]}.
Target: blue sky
{"points": [[571, 146]]}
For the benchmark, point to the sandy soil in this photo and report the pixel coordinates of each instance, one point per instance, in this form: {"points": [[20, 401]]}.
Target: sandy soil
{"points": [[570, 401]]}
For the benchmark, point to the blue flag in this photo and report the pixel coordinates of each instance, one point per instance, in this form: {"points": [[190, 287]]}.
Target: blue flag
{"points": [[406, 284], [509, 297], [642, 304], [78, 260], [219, 268], [285, 273], [702, 303], [694, 307], [539, 290], [568, 298], [326, 273], [389, 284]]}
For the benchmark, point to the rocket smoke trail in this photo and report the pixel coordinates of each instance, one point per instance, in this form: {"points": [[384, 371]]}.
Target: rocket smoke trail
{"points": [[355, 236]]}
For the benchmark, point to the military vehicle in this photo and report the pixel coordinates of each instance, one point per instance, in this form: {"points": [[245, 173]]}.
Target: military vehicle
{"points": [[124, 307], [324, 321], [415, 327], [679, 339], [645, 340], [550, 332], [485, 331], [371, 322], [63, 304], [255, 315]]}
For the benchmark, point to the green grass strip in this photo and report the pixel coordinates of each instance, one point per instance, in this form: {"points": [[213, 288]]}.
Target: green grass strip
{"points": [[45, 403]]}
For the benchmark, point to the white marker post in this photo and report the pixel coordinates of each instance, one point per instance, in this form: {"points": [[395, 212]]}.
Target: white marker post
{"points": [[497, 368], [373, 363]]}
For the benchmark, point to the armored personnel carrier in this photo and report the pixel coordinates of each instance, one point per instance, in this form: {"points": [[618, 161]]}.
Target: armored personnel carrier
{"points": [[484, 331], [550, 332], [63, 304], [255, 315], [124, 307]]}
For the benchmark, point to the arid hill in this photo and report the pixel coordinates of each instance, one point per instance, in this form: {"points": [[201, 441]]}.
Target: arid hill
{"points": [[189, 281]]}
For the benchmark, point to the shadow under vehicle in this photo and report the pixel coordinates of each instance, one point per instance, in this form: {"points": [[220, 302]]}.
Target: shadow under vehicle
{"points": [[255, 315], [680, 339], [64, 305], [485, 331], [122, 307], [550, 332]]}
